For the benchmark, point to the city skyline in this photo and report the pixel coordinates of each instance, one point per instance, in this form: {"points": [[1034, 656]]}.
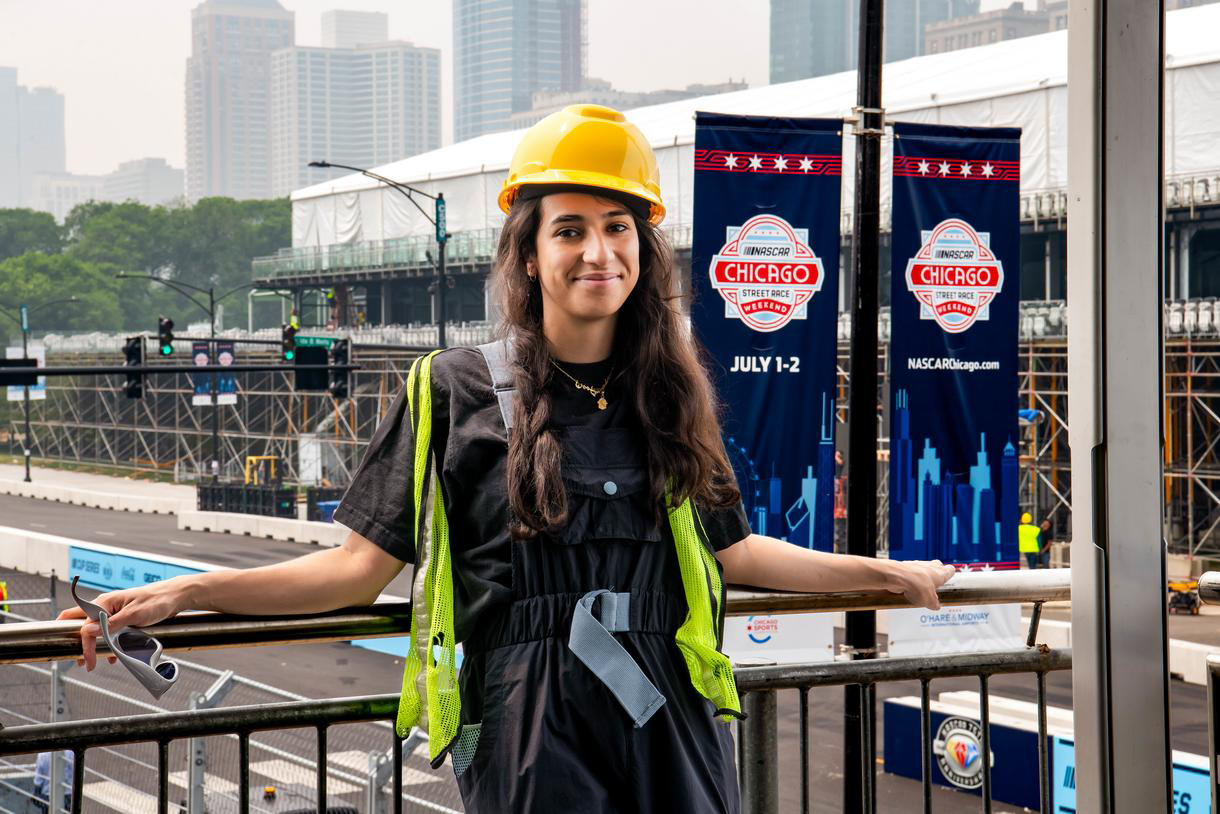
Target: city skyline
{"points": [[121, 72]]}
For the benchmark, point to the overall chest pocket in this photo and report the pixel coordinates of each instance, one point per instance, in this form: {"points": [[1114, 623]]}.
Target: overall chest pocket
{"points": [[608, 491]]}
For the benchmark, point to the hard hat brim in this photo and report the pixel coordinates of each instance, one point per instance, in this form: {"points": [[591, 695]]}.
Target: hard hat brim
{"points": [[591, 182]]}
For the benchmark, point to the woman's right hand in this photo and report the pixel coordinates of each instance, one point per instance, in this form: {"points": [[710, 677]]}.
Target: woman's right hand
{"points": [[131, 607]]}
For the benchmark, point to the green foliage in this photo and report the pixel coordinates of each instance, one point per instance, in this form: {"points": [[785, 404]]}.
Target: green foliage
{"points": [[35, 278], [210, 244], [24, 230]]}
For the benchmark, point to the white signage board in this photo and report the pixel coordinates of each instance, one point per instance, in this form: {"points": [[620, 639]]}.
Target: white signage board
{"points": [[38, 391], [789, 638], [968, 629]]}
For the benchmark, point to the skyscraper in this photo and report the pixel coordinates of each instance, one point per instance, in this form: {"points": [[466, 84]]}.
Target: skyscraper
{"points": [[505, 50], [31, 137], [817, 37], [360, 106], [228, 95], [905, 21], [347, 29], [812, 38]]}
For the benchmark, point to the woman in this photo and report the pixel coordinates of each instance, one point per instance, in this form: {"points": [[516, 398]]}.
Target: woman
{"points": [[571, 487]]}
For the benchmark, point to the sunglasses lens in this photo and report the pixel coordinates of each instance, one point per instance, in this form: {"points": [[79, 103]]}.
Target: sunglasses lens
{"points": [[167, 670], [137, 645]]}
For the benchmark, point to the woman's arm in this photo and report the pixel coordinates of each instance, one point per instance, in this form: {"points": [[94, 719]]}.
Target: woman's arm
{"points": [[765, 562], [352, 574]]}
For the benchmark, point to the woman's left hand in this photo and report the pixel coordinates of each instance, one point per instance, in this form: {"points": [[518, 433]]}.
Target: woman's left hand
{"points": [[918, 580]]}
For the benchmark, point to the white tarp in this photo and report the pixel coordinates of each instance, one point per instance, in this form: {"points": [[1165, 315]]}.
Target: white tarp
{"points": [[1018, 83]]}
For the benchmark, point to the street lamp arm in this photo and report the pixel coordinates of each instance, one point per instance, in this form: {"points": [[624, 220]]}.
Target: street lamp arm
{"points": [[41, 306], [174, 285], [401, 187]]}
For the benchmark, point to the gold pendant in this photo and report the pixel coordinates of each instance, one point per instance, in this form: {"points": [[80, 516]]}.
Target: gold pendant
{"points": [[601, 403]]}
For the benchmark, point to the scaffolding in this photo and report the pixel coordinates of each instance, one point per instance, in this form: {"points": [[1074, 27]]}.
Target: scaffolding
{"points": [[87, 420]]}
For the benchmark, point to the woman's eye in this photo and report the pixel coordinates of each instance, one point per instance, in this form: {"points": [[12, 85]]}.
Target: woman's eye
{"points": [[566, 233], [618, 227]]}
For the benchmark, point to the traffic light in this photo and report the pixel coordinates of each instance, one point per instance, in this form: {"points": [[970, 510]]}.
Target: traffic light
{"points": [[288, 342], [165, 335], [339, 354], [133, 353]]}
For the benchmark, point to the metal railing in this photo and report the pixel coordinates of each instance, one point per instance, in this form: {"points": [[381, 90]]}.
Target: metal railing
{"points": [[757, 736]]}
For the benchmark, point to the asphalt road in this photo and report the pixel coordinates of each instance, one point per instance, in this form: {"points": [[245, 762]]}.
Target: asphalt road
{"points": [[338, 670]]}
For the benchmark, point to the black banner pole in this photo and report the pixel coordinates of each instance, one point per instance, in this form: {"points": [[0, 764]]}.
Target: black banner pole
{"points": [[859, 770]]}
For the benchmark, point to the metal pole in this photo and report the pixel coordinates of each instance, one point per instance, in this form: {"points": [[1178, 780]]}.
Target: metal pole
{"points": [[215, 388], [861, 626], [59, 708], [759, 753], [1120, 683], [25, 353], [440, 296]]}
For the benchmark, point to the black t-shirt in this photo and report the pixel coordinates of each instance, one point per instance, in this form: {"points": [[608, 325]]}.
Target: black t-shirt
{"points": [[469, 441]]}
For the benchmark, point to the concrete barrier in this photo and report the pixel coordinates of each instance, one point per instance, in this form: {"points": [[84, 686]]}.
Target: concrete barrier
{"points": [[113, 501], [275, 528]]}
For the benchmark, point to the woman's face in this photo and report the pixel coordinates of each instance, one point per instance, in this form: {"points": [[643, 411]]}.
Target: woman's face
{"points": [[587, 256]]}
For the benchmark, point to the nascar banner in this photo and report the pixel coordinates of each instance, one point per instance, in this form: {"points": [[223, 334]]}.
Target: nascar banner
{"points": [[765, 272], [954, 475]]}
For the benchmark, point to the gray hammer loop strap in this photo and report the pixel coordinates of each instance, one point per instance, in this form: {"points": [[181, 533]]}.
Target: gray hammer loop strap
{"points": [[591, 642], [496, 356]]}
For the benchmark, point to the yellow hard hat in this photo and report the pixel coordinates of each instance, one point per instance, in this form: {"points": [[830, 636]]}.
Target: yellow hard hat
{"points": [[1027, 518], [588, 146]]}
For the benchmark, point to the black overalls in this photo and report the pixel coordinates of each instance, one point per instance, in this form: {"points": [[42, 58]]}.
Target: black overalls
{"points": [[552, 737]]}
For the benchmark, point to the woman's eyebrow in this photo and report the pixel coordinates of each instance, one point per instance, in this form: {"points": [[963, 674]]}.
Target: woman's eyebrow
{"points": [[574, 218]]}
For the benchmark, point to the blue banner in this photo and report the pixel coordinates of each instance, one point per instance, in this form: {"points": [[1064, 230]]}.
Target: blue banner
{"points": [[765, 279], [954, 462]]}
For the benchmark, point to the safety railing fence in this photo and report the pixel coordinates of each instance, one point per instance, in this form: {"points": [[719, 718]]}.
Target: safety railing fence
{"points": [[203, 770], [757, 736]]}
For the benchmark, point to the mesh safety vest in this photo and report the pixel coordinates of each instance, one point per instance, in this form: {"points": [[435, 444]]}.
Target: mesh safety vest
{"points": [[1027, 538], [430, 695]]}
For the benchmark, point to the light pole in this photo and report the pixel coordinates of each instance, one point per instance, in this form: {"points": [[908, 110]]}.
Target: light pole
{"points": [[210, 308], [24, 324], [438, 222]]}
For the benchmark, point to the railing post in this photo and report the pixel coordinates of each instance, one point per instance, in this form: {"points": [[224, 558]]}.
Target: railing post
{"points": [[1213, 730], [380, 766], [197, 747], [759, 753], [59, 709]]}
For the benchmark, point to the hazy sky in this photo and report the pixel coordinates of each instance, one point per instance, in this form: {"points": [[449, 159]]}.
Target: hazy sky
{"points": [[120, 63]]}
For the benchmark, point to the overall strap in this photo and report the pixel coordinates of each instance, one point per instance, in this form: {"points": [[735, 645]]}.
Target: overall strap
{"points": [[498, 356]]}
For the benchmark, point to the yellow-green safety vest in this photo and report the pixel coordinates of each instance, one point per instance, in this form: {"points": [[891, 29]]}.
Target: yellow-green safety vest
{"points": [[430, 695], [1027, 539]]}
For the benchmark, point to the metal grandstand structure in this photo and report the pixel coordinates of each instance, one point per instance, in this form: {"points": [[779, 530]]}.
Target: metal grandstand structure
{"points": [[87, 420]]}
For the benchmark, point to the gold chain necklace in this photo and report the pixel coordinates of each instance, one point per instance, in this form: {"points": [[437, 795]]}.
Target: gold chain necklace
{"points": [[598, 393]]}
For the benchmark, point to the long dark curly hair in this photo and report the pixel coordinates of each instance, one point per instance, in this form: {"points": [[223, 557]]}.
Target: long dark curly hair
{"points": [[671, 394]]}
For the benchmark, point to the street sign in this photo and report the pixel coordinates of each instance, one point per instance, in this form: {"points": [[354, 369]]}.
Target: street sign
{"points": [[440, 218], [315, 342], [25, 319]]}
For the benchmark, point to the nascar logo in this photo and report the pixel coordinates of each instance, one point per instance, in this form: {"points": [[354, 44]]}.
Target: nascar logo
{"points": [[954, 275], [959, 752], [766, 272]]}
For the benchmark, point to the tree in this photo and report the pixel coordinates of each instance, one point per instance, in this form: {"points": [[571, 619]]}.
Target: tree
{"points": [[35, 278], [24, 230]]}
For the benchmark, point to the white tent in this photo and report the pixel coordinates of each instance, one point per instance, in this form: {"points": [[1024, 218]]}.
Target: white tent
{"points": [[1021, 83]]}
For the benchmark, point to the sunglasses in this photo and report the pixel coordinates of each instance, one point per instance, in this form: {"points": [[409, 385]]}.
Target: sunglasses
{"points": [[138, 652]]}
